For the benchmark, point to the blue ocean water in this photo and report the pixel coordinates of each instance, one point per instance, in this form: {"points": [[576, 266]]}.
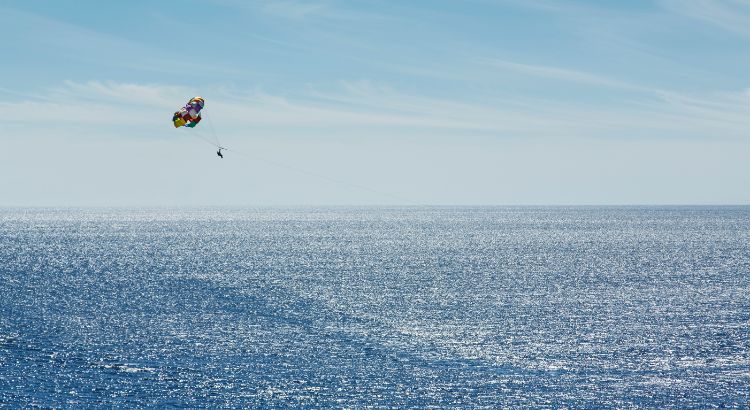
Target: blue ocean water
{"points": [[376, 307]]}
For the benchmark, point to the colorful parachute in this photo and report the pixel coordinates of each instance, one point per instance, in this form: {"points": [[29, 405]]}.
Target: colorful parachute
{"points": [[190, 114]]}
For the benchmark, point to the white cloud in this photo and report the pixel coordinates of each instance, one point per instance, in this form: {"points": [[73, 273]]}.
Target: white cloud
{"points": [[730, 15], [93, 102], [301, 10], [363, 107], [118, 93], [562, 74], [294, 9]]}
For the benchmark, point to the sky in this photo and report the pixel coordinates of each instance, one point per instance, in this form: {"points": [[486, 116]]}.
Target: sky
{"points": [[327, 102]]}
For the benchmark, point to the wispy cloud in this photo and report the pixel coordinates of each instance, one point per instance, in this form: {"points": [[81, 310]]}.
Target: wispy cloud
{"points": [[554, 6], [121, 93], [295, 9], [363, 107], [93, 103], [730, 15], [710, 113], [562, 74], [301, 10], [95, 48]]}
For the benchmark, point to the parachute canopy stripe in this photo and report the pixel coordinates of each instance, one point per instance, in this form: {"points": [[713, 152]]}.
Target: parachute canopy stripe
{"points": [[189, 115]]}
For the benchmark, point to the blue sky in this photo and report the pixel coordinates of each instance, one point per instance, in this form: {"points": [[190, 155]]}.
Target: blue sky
{"points": [[374, 102]]}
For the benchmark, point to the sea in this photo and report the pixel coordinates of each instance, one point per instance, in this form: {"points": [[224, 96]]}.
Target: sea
{"points": [[375, 307]]}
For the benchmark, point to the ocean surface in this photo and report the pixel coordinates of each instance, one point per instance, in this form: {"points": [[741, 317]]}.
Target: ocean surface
{"points": [[583, 307]]}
